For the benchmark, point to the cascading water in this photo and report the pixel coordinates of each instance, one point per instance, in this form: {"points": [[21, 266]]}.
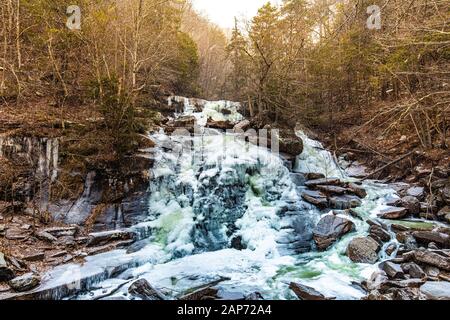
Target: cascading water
{"points": [[222, 207]]}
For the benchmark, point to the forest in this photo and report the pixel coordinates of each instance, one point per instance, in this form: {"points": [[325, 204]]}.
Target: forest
{"points": [[89, 87], [312, 61]]}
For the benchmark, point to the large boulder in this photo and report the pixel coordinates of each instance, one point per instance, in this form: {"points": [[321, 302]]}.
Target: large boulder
{"points": [[363, 250], [329, 229], [25, 282], [436, 290]]}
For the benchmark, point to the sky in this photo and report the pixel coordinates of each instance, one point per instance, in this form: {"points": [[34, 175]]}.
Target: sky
{"points": [[222, 12]]}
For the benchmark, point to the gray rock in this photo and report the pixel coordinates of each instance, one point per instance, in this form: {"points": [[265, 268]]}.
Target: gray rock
{"points": [[411, 204], [358, 190], [426, 237], [436, 290], [376, 295], [414, 270], [432, 272], [390, 249], [431, 258], [393, 270], [316, 198], [62, 231], [329, 229], [307, 293], [183, 122], [25, 282], [6, 273], [101, 238], [331, 189], [67, 240], [379, 234], [145, 291], [244, 125], [407, 239], [344, 202], [393, 213], [408, 283], [363, 250], [416, 192], [375, 280], [289, 142]]}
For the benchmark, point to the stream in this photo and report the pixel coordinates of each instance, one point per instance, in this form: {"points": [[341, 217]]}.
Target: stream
{"points": [[223, 207]]}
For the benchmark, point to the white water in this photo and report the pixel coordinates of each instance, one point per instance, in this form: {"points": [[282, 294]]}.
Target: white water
{"points": [[226, 188]]}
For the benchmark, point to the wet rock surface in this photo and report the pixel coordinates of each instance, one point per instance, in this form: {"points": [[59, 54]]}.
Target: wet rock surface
{"points": [[307, 293], [329, 229], [332, 193], [393, 213], [363, 250]]}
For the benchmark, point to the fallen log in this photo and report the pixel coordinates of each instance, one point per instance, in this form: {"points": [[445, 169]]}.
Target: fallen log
{"points": [[388, 165]]}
